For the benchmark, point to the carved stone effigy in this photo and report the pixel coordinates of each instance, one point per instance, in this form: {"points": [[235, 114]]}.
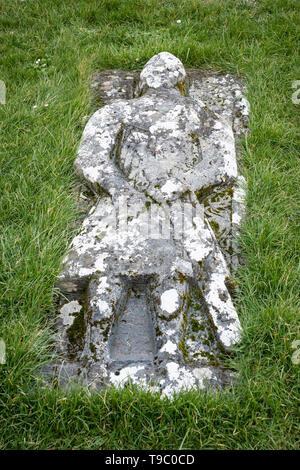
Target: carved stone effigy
{"points": [[146, 283]]}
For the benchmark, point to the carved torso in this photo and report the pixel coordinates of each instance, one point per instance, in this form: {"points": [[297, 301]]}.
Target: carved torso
{"points": [[158, 141]]}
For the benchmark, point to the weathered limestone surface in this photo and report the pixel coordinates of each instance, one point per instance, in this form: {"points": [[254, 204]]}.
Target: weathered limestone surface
{"points": [[144, 300]]}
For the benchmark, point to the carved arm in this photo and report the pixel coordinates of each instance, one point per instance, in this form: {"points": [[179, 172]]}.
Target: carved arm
{"points": [[95, 158], [218, 165]]}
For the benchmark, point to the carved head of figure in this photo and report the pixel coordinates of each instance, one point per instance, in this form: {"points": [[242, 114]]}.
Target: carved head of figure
{"points": [[162, 71]]}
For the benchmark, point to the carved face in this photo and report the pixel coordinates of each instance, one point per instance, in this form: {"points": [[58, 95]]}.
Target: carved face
{"points": [[163, 70]]}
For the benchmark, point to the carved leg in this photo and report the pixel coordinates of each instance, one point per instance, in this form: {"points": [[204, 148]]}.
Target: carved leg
{"points": [[105, 298], [215, 276], [169, 299], [218, 300], [202, 248]]}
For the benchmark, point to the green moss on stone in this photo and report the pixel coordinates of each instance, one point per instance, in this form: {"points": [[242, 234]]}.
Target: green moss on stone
{"points": [[76, 334]]}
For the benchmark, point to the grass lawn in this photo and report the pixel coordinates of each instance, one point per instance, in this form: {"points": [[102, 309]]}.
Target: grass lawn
{"points": [[73, 38]]}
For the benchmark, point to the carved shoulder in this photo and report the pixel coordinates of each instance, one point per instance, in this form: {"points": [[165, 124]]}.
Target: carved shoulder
{"points": [[94, 161]]}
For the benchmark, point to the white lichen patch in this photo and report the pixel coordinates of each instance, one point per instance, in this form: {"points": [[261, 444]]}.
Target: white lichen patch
{"points": [[182, 266], [181, 379], [102, 286], [92, 173], [238, 201], [236, 218], [126, 374], [170, 301], [198, 241], [100, 265], [68, 310], [203, 373], [169, 347], [171, 187]]}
